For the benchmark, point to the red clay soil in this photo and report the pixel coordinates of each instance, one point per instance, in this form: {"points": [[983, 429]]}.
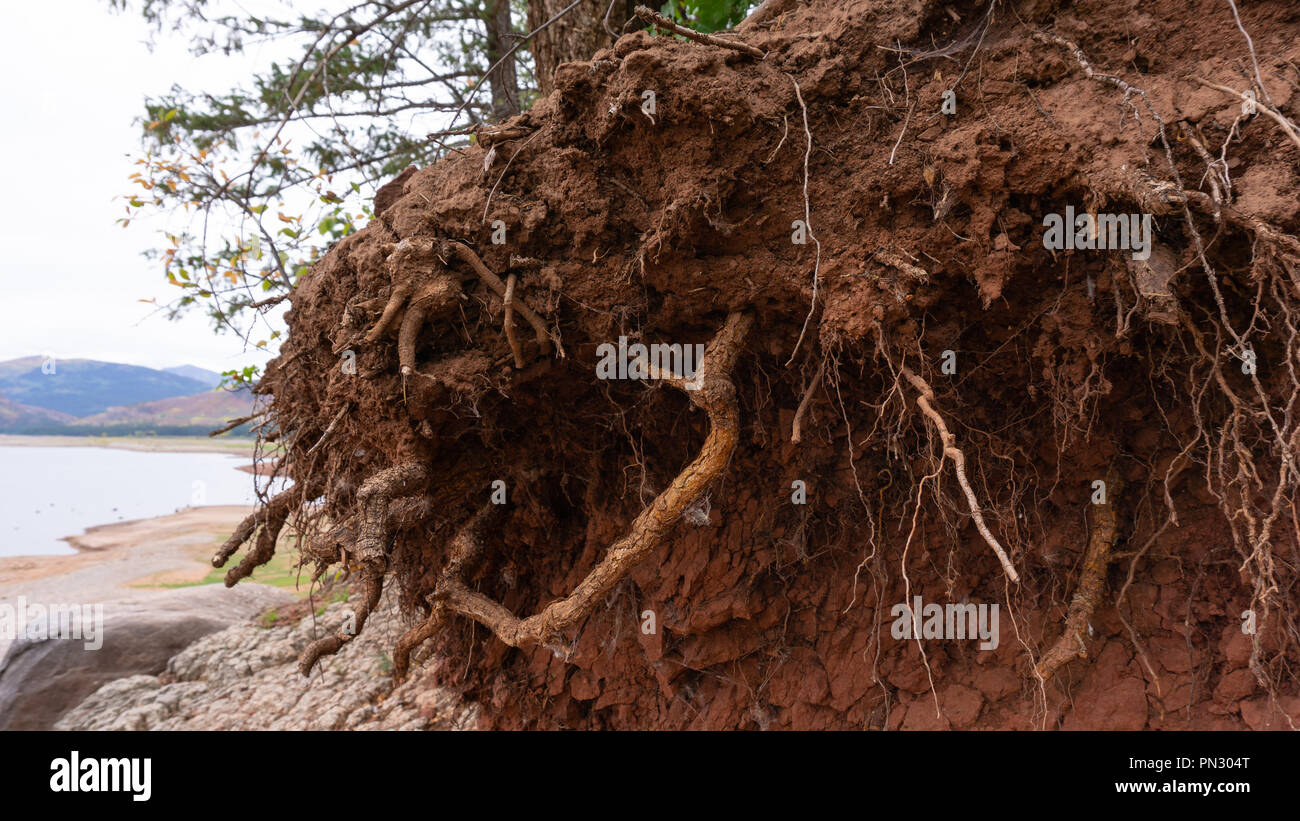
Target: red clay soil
{"points": [[1071, 366]]}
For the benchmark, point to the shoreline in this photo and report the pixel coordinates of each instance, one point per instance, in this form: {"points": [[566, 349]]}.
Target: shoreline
{"points": [[100, 539], [121, 558], [148, 444]]}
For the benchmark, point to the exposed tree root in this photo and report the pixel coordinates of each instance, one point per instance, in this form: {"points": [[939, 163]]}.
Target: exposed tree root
{"points": [[1092, 582], [737, 599], [914, 271], [509, 322], [796, 428], [401, 291], [717, 396], [270, 516], [375, 499], [466, 549], [489, 136], [1288, 128], [372, 589], [925, 400], [436, 298], [467, 255]]}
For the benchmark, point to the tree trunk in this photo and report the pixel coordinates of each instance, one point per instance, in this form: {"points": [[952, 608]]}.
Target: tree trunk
{"points": [[575, 36], [504, 79]]}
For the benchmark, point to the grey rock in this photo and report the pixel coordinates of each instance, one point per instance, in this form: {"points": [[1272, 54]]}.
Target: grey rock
{"points": [[40, 680], [246, 678]]}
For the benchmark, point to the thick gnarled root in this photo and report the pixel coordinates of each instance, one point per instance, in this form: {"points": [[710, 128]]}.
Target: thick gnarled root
{"points": [[466, 549], [1092, 582], [271, 518], [515, 304], [434, 300], [411, 306], [378, 500], [712, 390], [329, 645]]}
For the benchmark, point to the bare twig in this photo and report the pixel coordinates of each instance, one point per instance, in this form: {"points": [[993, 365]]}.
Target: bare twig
{"points": [[269, 301], [654, 18], [231, 424], [469, 96], [328, 430]]}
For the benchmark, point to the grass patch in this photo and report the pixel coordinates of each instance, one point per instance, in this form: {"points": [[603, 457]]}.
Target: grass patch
{"points": [[281, 571]]}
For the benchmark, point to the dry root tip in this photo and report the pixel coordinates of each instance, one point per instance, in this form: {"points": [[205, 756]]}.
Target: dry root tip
{"points": [[329, 645], [275, 510]]}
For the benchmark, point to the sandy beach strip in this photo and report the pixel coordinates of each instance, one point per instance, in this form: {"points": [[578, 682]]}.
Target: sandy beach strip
{"points": [[155, 444], [122, 558]]}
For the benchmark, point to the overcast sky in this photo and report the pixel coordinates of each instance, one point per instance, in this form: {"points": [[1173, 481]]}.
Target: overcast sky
{"points": [[71, 280]]}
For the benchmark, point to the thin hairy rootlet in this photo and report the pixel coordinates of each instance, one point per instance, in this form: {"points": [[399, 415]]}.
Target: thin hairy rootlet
{"points": [[917, 399]]}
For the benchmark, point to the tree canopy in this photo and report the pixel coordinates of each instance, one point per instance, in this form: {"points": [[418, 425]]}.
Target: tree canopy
{"points": [[256, 180]]}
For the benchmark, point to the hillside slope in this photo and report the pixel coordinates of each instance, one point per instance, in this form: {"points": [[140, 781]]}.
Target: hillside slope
{"points": [[81, 387], [204, 410], [14, 416]]}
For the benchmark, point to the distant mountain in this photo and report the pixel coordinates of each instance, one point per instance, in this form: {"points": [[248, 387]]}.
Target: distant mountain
{"points": [[14, 416], [205, 410], [82, 387], [210, 378]]}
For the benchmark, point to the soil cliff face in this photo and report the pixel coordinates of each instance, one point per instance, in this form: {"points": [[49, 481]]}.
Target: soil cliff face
{"points": [[854, 223]]}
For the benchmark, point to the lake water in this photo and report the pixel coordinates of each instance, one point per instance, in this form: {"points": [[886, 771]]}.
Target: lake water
{"points": [[47, 493]]}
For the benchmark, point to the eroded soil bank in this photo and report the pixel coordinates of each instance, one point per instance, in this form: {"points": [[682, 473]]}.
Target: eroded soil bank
{"points": [[921, 295]]}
